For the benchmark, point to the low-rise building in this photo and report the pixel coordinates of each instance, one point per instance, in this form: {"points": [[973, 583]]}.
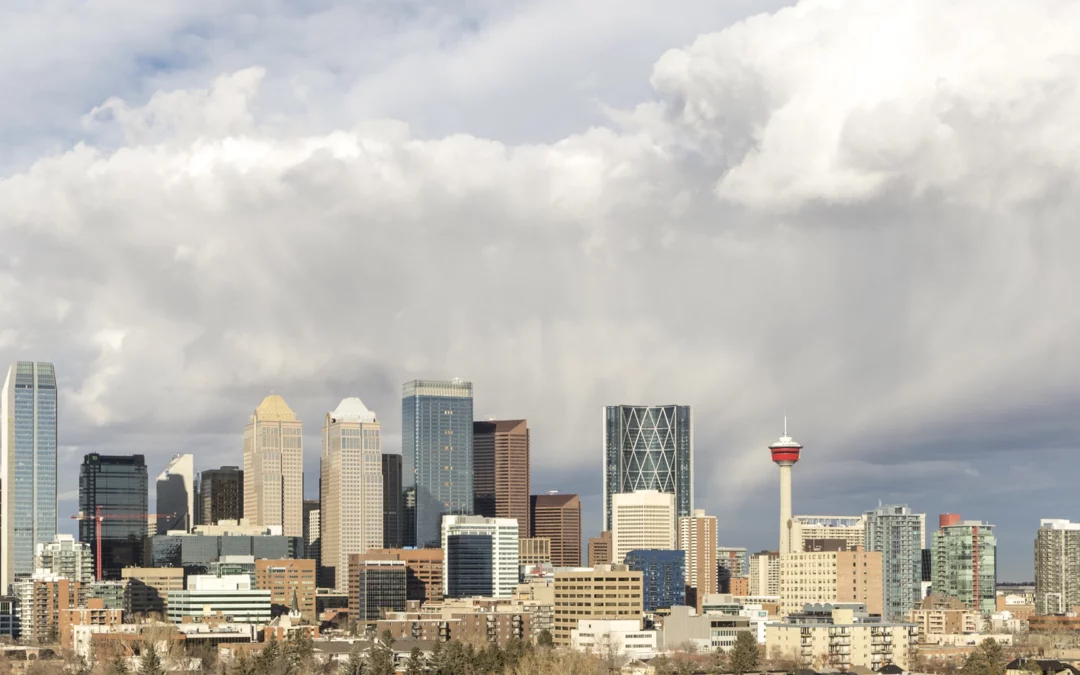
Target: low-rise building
{"points": [[623, 637], [945, 616], [210, 598], [841, 638], [706, 632], [608, 592], [146, 589], [93, 614]]}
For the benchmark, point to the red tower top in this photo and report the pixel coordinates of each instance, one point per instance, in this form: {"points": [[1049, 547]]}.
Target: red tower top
{"points": [[786, 450]]}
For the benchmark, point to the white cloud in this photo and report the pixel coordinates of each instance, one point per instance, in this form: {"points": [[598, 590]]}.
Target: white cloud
{"points": [[862, 214]]}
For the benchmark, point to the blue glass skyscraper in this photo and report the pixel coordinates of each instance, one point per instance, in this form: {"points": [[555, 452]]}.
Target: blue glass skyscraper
{"points": [[27, 466], [649, 448], [436, 455], [663, 577]]}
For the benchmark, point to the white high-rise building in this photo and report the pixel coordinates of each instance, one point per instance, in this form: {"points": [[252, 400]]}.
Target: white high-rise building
{"points": [[274, 467], [642, 520], [480, 556], [65, 557], [176, 495], [351, 496], [1057, 566], [809, 533], [765, 574]]}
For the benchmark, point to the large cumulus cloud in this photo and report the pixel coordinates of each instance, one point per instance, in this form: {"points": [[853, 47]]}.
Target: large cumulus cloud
{"points": [[862, 215]]}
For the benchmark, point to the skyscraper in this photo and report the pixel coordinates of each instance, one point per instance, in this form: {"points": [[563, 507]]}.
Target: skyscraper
{"points": [[965, 562], [697, 537], [436, 456], [501, 471], [558, 517], [393, 503], [176, 495], [119, 485], [642, 520], [27, 467], [222, 494], [899, 535], [312, 541], [649, 448], [274, 467], [1057, 566], [350, 490]]}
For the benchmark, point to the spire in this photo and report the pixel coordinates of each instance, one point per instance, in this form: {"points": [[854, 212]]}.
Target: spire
{"points": [[294, 608]]}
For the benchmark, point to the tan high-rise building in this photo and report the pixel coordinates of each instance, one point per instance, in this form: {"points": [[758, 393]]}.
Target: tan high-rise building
{"points": [[697, 536], [423, 570], [274, 467], [351, 499], [558, 517], [288, 580], [831, 576], [147, 589], [765, 573], [641, 520], [501, 471], [609, 592], [600, 549]]}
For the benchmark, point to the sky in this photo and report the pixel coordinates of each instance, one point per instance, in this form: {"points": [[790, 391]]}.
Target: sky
{"points": [[858, 215]]}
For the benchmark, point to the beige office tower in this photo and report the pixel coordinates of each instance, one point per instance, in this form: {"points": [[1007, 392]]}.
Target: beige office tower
{"points": [[351, 497], [697, 536], [765, 573], [831, 577], [641, 520], [274, 468]]}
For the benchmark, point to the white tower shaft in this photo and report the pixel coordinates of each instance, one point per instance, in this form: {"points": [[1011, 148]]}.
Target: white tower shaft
{"points": [[785, 508]]}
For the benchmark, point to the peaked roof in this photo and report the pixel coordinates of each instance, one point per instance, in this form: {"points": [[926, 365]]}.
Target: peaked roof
{"points": [[891, 669], [274, 409], [352, 409]]}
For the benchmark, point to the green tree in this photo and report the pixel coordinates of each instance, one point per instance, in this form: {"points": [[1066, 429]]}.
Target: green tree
{"points": [[298, 653], [744, 654], [1032, 666], [382, 655], [544, 639], [994, 655], [118, 665], [415, 664], [150, 663]]}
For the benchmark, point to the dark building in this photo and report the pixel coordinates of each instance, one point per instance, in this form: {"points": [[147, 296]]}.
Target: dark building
{"points": [[393, 503], [469, 565], [927, 564], [375, 587], [118, 484], [558, 517], [221, 495], [663, 577], [195, 552], [501, 471]]}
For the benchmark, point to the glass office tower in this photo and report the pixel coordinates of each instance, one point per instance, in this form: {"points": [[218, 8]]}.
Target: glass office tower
{"points": [[899, 535], [436, 454], [118, 484], [28, 466], [649, 448]]}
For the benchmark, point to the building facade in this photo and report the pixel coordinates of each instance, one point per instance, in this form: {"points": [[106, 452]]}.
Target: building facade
{"points": [[42, 597], [311, 525], [176, 495], [558, 518], [642, 520], [965, 562], [27, 466], [765, 574], [501, 471], [842, 642], [229, 597], [899, 535], [807, 530], [67, 558], [436, 456], [393, 501], [831, 577], [480, 556], [288, 581], [351, 496], [697, 537], [423, 570], [118, 485], [375, 588], [649, 448], [663, 575], [610, 592], [147, 589], [600, 549], [534, 551], [1057, 566], [274, 467], [221, 493]]}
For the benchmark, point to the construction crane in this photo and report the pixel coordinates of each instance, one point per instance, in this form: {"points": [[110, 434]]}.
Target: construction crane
{"points": [[99, 516]]}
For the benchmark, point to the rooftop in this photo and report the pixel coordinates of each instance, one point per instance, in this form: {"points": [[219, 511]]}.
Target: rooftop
{"points": [[352, 409], [274, 409]]}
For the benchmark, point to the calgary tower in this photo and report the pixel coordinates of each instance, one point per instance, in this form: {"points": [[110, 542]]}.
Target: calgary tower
{"points": [[785, 452]]}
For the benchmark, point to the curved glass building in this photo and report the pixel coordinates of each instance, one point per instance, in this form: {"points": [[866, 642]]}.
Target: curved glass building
{"points": [[649, 448]]}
